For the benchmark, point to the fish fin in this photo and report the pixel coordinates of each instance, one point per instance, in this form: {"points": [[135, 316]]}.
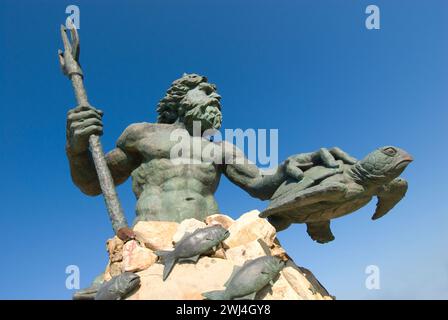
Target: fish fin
{"points": [[234, 272], [214, 248], [163, 254], [271, 282], [169, 264], [250, 296], [193, 259], [84, 295], [246, 262], [186, 234], [265, 247], [271, 291], [214, 295]]}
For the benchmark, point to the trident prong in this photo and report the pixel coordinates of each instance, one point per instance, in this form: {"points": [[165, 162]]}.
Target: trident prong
{"points": [[69, 58]]}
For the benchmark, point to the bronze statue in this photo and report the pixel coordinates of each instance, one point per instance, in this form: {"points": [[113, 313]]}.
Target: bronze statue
{"points": [[309, 188], [170, 191], [322, 194], [165, 190]]}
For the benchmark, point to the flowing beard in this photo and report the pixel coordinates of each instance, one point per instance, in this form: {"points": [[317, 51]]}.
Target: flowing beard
{"points": [[210, 119]]}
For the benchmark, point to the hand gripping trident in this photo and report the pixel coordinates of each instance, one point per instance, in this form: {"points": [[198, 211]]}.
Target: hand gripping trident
{"points": [[69, 60]]}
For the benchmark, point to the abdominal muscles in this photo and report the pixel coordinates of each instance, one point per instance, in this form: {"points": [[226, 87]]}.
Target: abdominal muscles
{"points": [[168, 192], [174, 205]]}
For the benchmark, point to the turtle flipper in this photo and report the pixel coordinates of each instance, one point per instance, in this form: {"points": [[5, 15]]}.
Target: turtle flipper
{"points": [[320, 231], [389, 195], [279, 222], [291, 201]]}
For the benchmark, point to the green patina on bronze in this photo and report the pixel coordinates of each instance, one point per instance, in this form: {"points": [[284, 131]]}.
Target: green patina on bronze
{"points": [[167, 191], [192, 246], [324, 193], [246, 281], [307, 188]]}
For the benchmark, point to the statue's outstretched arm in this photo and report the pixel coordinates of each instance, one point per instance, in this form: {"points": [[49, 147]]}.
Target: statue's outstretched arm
{"points": [[239, 170], [339, 154], [301, 162]]}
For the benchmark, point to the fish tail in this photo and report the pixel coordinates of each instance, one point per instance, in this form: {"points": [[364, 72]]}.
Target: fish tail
{"points": [[168, 260], [169, 264], [163, 253], [215, 295]]}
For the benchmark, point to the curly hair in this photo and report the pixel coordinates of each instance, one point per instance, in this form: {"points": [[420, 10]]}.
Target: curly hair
{"points": [[169, 108]]}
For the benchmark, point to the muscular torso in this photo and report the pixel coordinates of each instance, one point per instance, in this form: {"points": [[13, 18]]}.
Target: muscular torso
{"points": [[167, 190]]}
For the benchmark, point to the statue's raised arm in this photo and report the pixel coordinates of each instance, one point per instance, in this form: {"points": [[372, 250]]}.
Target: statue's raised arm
{"points": [[263, 185]]}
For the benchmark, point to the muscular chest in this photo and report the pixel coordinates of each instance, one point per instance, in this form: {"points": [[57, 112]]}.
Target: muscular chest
{"points": [[178, 147]]}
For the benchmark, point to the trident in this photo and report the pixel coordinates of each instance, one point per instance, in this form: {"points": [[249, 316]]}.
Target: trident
{"points": [[69, 60]]}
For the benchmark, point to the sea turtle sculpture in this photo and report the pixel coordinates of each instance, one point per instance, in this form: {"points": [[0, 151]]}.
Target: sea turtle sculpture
{"points": [[324, 193]]}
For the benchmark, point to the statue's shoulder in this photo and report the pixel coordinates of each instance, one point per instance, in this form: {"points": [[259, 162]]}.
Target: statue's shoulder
{"points": [[135, 132]]}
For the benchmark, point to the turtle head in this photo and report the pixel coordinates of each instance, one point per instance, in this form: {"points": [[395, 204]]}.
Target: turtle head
{"points": [[382, 165]]}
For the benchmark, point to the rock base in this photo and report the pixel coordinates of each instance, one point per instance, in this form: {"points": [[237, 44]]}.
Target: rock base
{"points": [[250, 237]]}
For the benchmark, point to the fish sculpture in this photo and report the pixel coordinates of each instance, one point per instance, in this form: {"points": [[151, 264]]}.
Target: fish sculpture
{"points": [[118, 287], [191, 246], [247, 280], [90, 292]]}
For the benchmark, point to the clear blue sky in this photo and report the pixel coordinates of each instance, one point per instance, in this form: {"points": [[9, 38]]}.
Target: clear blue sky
{"points": [[308, 68]]}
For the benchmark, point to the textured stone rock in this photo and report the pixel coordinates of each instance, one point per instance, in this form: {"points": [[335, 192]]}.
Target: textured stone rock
{"points": [[106, 274], [187, 226], [186, 281], [281, 290], [277, 250], [157, 235], [219, 253], [250, 227], [316, 286], [251, 250], [114, 248], [301, 284], [115, 269], [250, 237], [221, 219], [136, 258]]}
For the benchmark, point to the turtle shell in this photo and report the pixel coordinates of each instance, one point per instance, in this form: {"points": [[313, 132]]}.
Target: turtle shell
{"points": [[283, 202]]}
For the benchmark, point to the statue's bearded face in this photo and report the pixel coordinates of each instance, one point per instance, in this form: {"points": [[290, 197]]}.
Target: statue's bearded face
{"points": [[202, 104]]}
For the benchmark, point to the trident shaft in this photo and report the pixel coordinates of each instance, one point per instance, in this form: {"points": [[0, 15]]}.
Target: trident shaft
{"points": [[69, 60]]}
